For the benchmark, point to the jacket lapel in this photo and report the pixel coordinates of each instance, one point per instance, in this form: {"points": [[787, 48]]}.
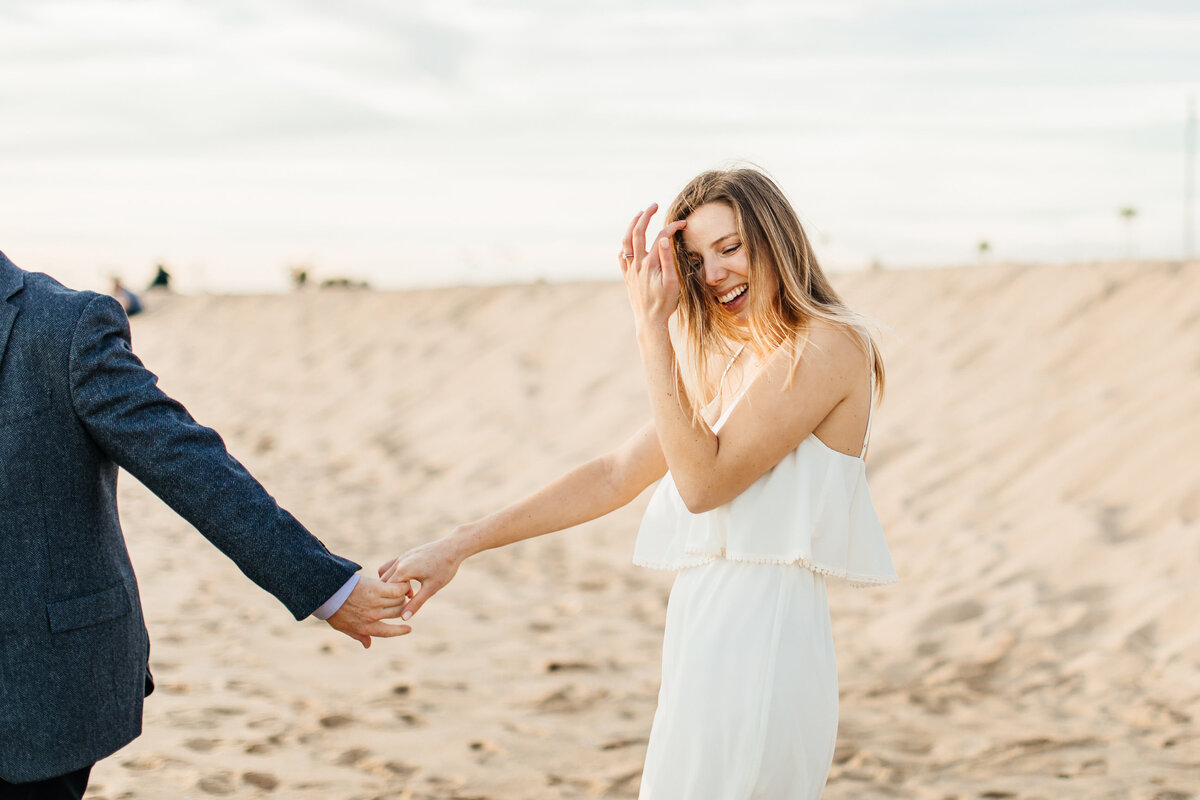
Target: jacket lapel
{"points": [[11, 281]]}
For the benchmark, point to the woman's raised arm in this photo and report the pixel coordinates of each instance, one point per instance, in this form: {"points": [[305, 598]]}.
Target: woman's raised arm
{"points": [[710, 469]]}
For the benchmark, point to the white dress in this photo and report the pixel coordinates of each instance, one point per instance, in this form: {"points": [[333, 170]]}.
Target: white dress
{"points": [[749, 701]]}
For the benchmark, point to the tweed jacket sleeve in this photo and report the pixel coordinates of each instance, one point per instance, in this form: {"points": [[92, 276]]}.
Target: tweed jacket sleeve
{"points": [[155, 439]]}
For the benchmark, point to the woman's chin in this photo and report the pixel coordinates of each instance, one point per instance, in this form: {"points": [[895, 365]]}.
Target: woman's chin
{"points": [[737, 308]]}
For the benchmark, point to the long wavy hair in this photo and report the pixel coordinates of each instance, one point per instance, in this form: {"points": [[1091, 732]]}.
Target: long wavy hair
{"points": [[779, 254]]}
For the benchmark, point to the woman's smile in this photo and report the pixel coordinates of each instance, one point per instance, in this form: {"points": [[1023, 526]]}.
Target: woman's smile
{"points": [[735, 299]]}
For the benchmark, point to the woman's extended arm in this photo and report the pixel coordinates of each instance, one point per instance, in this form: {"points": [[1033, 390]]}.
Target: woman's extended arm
{"points": [[591, 490]]}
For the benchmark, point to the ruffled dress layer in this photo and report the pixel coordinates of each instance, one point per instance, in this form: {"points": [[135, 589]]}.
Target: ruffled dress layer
{"points": [[813, 509]]}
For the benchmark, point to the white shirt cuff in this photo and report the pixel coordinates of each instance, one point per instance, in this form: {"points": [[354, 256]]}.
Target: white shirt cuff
{"points": [[331, 606]]}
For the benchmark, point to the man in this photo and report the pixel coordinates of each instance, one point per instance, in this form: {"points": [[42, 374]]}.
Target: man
{"points": [[75, 403]]}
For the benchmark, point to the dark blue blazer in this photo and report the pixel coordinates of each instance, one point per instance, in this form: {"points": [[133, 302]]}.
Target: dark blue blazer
{"points": [[76, 403]]}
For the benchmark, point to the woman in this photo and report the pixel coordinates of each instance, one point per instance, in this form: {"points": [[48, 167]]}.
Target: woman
{"points": [[765, 497]]}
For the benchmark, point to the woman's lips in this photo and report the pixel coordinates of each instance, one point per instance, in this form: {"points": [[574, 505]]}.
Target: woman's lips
{"points": [[735, 298]]}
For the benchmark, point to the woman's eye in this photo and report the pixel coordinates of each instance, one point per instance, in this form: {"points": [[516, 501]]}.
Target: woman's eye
{"points": [[733, 248]]}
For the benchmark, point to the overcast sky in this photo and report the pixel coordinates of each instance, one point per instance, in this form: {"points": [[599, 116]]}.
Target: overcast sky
{"points": [[438, 142]]}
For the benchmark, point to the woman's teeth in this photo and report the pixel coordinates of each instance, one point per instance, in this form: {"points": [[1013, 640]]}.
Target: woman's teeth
{"points": [[732, 294]]}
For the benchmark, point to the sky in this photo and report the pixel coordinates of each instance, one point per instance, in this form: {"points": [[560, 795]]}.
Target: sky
{"points": [[464, 141]]}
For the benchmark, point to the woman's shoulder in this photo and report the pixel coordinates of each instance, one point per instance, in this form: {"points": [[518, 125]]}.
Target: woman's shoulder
{"points": [[833, 343]]}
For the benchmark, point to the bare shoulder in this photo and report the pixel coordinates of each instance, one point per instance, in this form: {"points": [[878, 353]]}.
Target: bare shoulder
{"points": [[834, 351]]}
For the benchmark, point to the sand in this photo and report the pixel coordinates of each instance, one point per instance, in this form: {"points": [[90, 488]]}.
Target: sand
{"points": [[1034, 463]]}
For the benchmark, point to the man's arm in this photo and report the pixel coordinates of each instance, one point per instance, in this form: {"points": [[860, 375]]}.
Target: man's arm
{"points": [[187, 465]]}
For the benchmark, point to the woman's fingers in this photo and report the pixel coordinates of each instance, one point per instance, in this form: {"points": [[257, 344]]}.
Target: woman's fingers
{"points": [[674, 227], [670, 275], [392, 571], [428, 590], [653, 260], [634, 243], [669, 231], [639, 233], [627, 244]]}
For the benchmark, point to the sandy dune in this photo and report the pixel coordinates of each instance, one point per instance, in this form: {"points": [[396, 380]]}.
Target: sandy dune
{"points": [[1034, 462]]}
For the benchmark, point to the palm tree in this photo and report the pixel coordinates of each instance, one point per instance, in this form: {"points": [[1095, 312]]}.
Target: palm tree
{"points": [[1128, 214]]}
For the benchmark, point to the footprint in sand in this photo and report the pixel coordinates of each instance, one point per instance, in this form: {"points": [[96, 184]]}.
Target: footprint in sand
{"points": [[569, 666], [352, 756], [217, 783], [625, 785], [201, 745], [410, 719], [569, 700], [928, 648], [246, 688], [200, 718], [578, 784], [485, 751], [265, 746], [400, 769], [261, 780], [148, 763], [335, 721], [620, 744], [952, 614]]}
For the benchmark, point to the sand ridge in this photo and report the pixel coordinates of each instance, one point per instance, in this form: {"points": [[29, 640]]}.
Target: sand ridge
{"points": [[1033, 463]]}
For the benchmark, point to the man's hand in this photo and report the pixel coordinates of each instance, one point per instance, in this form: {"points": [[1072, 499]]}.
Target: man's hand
{"points": [[371, 602]]}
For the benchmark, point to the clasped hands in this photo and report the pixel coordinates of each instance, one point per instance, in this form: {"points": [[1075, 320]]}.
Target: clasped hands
{"points": [[363, 615], [369, 604]]}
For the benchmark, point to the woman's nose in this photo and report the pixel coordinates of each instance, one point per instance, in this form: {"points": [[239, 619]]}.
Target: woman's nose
{"points": [[715, 274]]}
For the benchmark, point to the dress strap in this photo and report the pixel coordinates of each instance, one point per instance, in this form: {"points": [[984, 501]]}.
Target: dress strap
{"points": [[721, 388], [729, 366], [871, 407]]}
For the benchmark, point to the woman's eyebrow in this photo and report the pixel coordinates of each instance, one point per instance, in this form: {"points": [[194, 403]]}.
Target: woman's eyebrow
{"points": [[722, 238]]}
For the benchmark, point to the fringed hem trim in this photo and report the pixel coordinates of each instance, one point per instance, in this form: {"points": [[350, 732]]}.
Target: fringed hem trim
{"points": [[858, 580]]}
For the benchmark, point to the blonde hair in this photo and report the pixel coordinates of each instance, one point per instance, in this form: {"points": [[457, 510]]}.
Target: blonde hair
{"points": [[779, 253]]}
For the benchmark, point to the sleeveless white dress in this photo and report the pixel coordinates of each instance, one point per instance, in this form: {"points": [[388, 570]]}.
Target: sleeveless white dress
{"points": [[748, 706]]}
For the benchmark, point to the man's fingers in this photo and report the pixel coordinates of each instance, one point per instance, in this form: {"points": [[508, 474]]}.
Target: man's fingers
{"points": [[396, 591], [379, 591], [391, 611], [386, 630]]}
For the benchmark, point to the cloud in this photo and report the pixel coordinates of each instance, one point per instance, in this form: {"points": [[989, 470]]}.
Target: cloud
{"points": [[157, 76]]}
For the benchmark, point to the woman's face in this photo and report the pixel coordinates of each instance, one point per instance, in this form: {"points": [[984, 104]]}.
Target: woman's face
{"points": [[717, 258]]}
